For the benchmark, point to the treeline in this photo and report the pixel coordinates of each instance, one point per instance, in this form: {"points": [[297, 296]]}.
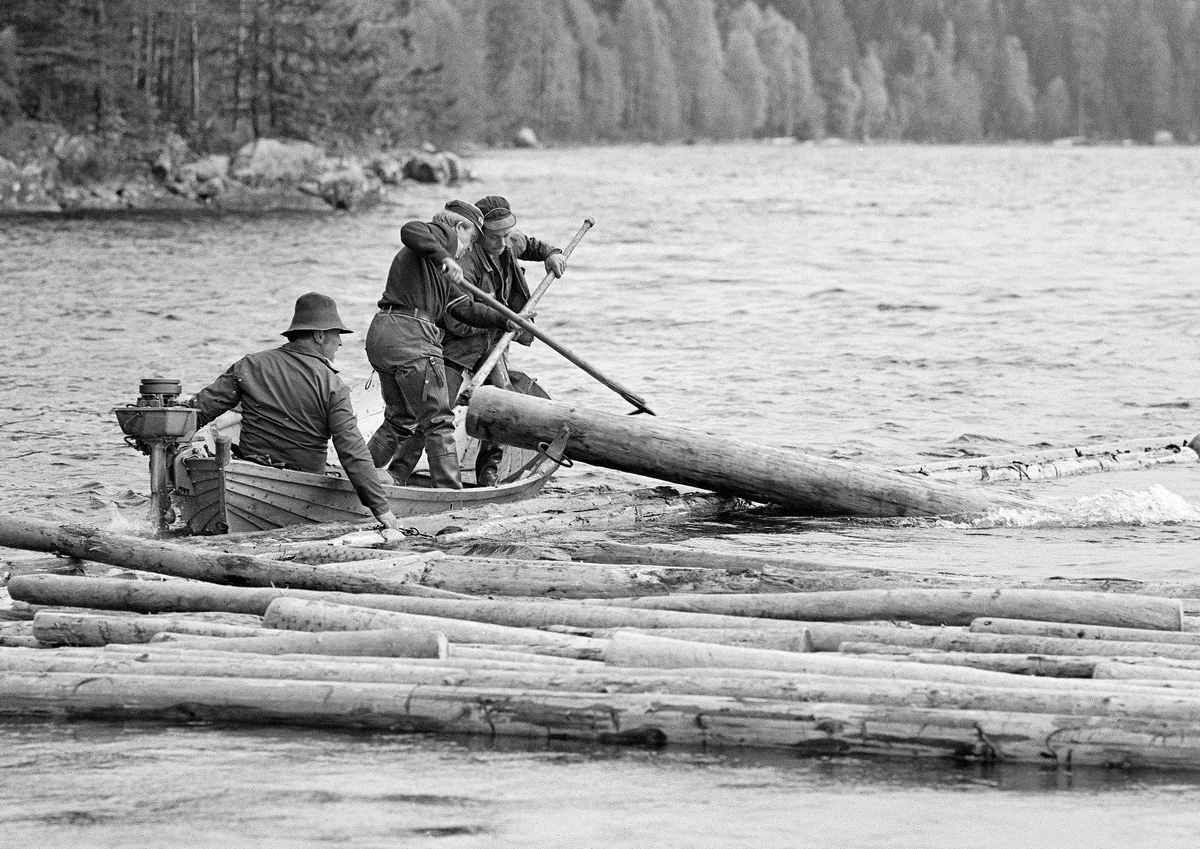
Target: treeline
{"points": [[402, 71]]}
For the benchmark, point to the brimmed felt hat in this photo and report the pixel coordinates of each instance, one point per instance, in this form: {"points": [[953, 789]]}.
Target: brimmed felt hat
{"points": [[497, 215], [315, 311], [468, 211]]}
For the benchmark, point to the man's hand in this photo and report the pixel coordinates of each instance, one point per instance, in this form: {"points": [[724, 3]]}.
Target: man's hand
{"points": [[389, 521], [453, 271], [556, 264]]}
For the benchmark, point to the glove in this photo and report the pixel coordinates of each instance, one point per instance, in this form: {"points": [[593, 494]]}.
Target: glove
{"points": [[556, 264]]}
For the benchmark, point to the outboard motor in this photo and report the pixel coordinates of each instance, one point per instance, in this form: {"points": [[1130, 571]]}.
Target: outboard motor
{"points": [[155, 425]]}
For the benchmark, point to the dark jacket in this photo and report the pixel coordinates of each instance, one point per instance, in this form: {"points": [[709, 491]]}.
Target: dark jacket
{"points": [[293, 403], [415, 279], [501, 276]]}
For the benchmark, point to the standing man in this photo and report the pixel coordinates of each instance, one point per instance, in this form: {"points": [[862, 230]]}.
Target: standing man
{"points": [[492, 265], [293, 403], [404, 344]]}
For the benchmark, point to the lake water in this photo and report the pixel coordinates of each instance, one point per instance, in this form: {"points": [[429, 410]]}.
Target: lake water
{"points": [[881, 304]]}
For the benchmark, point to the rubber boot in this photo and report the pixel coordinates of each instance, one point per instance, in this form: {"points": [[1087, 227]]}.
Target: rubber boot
{"points": [[443, 471], [405, 460], [487, 464]]}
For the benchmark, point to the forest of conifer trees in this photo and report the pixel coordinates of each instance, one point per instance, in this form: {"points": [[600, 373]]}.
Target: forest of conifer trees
{"points": [[450, 71]]}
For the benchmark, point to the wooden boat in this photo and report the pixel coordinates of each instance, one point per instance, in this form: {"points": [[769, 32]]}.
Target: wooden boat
{"points": [[214, 493]]}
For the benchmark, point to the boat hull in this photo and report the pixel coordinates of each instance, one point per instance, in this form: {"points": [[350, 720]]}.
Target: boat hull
{"points": [[240, 496], [244, 496]]}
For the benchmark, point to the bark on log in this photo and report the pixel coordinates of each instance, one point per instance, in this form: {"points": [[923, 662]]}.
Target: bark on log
{"points": [[485, 655], [185, 562], [641, 650], [1147, 669], [299, 615], [640, 719], [1013, 664], [14, 641], [74, 629], [816, 636], [1101, 699], [1027, 628], [1006, 644], [532, 578], [934, 607], [391, 642], [801, 482]]}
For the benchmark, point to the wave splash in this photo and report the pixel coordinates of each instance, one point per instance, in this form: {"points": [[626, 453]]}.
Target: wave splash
{"points": [[1155, 506]]}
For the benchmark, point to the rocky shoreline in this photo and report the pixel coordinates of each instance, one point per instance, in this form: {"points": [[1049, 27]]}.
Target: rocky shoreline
{"points": [[46, 169]]}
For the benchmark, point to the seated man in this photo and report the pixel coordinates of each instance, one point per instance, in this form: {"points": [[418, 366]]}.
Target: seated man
{"points": [[492, 265], [293, 403]]}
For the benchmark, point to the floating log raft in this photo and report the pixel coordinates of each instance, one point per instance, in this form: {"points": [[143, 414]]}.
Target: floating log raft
{"points": [[801, 482], [1111, 698]]}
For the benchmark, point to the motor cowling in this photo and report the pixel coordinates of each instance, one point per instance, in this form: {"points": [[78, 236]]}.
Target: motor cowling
{"points": [[157, 415], [155, 425]]}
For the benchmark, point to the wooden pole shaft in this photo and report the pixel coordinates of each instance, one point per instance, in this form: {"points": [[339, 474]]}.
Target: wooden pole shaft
{"points": [[524, 323]]}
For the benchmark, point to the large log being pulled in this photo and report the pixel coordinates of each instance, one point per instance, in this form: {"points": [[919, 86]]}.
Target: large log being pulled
{"points": [[658, 449]]}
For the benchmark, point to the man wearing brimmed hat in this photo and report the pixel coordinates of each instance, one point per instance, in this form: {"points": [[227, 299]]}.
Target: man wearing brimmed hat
{"points": [[293, 403], [404, 344], [492, 265]]}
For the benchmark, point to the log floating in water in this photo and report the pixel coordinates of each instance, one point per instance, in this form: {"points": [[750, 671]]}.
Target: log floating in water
{"points": [[643, 650], [74, 629], [1100, 699], [186, 562], [639, 719], [300, 615], [390, 642], [1075, 631], [1019, 644], [176, 596], [1062, 462], [658, 449], [935, 607], [1014, 664], [564, 579]]}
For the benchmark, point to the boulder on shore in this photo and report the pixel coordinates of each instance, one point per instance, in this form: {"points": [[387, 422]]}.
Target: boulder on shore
{"points": [[350, 187], [275, 162], [23, 189], [526, 137]]}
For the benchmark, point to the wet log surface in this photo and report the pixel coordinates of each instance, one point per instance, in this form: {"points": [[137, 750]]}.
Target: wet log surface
{"points": [[814, 729]]}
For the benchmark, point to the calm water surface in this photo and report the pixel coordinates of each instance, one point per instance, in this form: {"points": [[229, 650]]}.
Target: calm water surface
{"points": [[884, 304]]}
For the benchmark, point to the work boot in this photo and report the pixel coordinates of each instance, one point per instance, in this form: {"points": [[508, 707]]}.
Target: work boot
{"points": [[405, 460], [443, 471], [487, 464]]}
